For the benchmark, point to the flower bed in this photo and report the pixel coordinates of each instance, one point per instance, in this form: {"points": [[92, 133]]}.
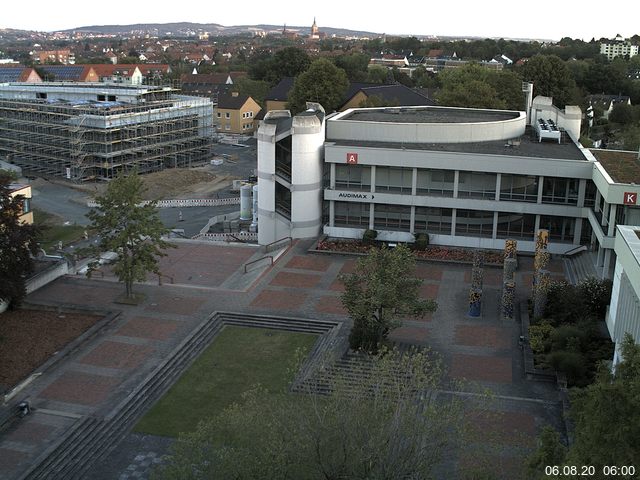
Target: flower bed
{"points": [[431, 253]]}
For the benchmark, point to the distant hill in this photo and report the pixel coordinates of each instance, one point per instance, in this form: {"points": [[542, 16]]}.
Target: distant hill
{"points": [[188, 28]]}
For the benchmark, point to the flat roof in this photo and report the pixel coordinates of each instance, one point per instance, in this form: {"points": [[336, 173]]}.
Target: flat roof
{"points": [[528, 147], [429, 114], [622, 166]]}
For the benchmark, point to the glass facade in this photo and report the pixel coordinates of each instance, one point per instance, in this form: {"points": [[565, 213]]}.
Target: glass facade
{"points": [[560, 190], [433, 220], [516, 225], [353, 177], [435, 182], [351, 214], [394, 180], [392, 217], [561, 229], [477, 185], [519, 188], [474, 223]]}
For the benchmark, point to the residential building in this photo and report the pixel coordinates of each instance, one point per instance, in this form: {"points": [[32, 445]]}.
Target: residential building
{"points": [[394, 94], [69, 73], [114, 73], [64, 57], [277, 97], [89, 130], [467, 177], [17, 189], [618, 47], [607, 102], [18, 73], [236, 114], [623, 315], [209, 85]]}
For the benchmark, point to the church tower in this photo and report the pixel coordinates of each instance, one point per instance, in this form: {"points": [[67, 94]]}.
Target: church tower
{"points": [[315, 32]]}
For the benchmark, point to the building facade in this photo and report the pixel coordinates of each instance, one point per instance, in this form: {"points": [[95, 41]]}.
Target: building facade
{"points": [[24, 191], [618, 48], [86, 131], [467, 177], [236, 114]]}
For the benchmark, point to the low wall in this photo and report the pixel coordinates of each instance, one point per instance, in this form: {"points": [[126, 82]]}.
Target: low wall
{"points": [[48, 275], [192, 202]]}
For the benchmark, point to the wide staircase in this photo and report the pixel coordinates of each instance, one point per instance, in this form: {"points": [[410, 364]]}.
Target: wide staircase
{"points": [[580, 266]]}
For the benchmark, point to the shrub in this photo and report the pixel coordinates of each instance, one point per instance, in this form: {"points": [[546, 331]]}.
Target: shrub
{"points": [[565, 336], [422, 241], [539, 335], [596, 294], [572, 364], [565, 304], [369, 236]]}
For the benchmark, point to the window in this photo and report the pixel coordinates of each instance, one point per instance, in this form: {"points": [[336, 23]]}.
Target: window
{"points": [[516, 225], [26, 205], [474, 223], [353, 177], [351, 214], [393, 179], [560, 228], [283, 201], [519, 188], [227, 115], [227, 127], [251, 114], [433, 220], [477, 185], [392, 217], [435, 182], [219, 115], [560, 190]]}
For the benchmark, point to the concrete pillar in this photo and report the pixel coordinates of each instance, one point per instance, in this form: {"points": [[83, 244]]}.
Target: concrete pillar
{"points": [[606, 266], [453, 221], [371, 215], [605, 215], [596, 206], [373, 179], [412, 219], [332, 178], [414, 183], [332, 213], [600, 257], [612, 220], [582, 190], [540, 188], [498, 183], [577, 231], [456, 179], [537, 224], [494, 232]]}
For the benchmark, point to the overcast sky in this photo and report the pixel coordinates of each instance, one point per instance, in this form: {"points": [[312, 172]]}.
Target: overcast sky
{"points": [[547, 19]]}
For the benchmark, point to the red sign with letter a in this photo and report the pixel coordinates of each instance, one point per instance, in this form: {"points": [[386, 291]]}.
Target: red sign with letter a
{"points": [[352, 158], [630, 198]]}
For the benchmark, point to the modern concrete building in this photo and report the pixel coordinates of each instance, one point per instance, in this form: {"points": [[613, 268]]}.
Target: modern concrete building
{"points": [[467, 177], [623, 315], [618, 47], [94, 130]]}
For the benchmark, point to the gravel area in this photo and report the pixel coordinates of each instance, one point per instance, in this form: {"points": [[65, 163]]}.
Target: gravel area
{"points": [[29, 337]]}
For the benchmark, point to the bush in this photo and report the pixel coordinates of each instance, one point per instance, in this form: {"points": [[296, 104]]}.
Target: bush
{"points": [[565, 304], [369, 236], [596, 294], [569, 337], [422, 241], [572, 364], [539, 335]]}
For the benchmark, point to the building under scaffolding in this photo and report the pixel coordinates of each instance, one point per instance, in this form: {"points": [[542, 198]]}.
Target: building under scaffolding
{"points": [[94, 131]]}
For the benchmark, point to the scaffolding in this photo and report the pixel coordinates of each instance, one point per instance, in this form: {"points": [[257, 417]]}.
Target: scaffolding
{"points": [[87, 140]]}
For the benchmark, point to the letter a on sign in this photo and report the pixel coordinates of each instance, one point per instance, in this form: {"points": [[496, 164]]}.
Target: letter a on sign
{"points": [[352, 158], [630, 198]]}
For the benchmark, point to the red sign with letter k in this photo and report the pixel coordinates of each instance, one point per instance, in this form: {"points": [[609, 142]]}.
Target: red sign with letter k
{"points": [[630, 198]]}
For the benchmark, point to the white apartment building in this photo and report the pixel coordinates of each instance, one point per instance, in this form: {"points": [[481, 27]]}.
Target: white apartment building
{"points": [[618, 48]]}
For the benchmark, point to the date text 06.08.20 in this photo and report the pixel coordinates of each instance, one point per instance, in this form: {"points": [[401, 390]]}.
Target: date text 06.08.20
{"points": [[623, 471]]}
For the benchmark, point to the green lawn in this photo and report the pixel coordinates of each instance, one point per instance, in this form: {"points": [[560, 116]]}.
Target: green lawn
{"points": [[238, 359], [53, 232]]}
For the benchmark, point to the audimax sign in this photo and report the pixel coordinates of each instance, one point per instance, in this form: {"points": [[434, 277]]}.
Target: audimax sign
{"points": [[359, 196]]}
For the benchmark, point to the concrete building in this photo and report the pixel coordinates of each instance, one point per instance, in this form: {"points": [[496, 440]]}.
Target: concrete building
{"points": [[467, 177], [94, 130], [236, 114], [618, 47], [18, 189], [623, 315]]}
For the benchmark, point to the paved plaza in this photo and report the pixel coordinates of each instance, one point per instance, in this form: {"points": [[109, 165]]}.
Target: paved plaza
{"points": [[201, 278]]}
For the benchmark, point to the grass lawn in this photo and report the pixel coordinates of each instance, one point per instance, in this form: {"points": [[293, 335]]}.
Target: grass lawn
{"points": [[238, 359], [53, 232]]}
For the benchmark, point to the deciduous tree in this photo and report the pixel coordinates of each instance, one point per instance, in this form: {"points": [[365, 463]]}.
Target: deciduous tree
{"points": [[383, 289], [323, 83], [127, 225], [18, 244]]}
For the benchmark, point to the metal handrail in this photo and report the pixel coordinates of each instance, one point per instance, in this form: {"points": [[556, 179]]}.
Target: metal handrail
{"points": [[267, 247], [257, 260], [579, 248]]}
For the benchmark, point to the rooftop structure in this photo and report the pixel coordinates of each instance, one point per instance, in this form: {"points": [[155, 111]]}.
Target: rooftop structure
{"points": [[94, 130], [622, 167]]}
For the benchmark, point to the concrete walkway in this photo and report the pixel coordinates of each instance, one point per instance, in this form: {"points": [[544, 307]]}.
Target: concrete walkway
{"points": [[208, 278]]}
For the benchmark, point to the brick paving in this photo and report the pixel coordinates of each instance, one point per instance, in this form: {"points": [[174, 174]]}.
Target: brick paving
{"points": [[117, 355], [299, 284]]}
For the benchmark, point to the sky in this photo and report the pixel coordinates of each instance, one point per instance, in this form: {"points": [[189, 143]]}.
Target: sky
{"points": [[484, 18]]}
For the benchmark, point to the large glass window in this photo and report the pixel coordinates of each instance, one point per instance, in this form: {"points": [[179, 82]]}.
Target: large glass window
{"points": [[590, 194], [435, 182], [516, 225], [392, 217], [560, 190], [433, 220], [283, 201], [283, 158], [351, 214], [519, 188], [474, 223], [560, 228], [477, 185], [353, 177], [393, 179]]}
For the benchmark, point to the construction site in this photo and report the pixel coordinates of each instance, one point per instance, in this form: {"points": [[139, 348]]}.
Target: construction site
{"points": [[93, 131]]}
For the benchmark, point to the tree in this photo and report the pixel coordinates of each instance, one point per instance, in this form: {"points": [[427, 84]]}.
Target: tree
{"points": [[550, 452], [256, 89], [606, 415], [130, 227], [374, 424], [323, 82], [551, 78], [383, 289], [355, 66], [18, 244]]}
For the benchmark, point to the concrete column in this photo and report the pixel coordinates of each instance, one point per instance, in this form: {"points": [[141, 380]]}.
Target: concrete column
{"points": [[453, 220], [540, 187], [371, 214], [456, 179], [607, 263], [577, 231], [498, 183], [412, 218], [582, 190], [332, 212], [612, 220], [414, 184], [596, 206], [494, 232], [373, 179], [332, 179], [537, 224], [599, 259], [605, 214]]}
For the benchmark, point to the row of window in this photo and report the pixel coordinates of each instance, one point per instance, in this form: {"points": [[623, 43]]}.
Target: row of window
{"points": [[228, 115], [522, 188], [474, 223]]}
